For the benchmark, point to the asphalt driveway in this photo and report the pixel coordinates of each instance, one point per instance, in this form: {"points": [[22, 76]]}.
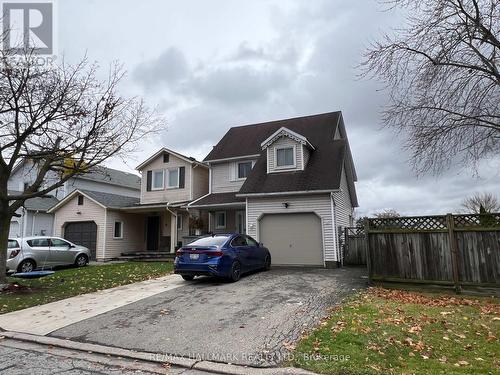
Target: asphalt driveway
{"points": [[251, 322]]}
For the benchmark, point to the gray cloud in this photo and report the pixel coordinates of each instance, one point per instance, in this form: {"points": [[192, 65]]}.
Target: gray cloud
{"points": [[307, 66]]}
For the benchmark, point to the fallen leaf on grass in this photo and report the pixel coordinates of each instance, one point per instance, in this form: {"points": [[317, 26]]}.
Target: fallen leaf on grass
{"points": [[461, 363]]}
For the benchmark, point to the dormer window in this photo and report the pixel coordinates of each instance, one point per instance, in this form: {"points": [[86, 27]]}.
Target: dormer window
{"points": [[244, 169], [285, 157]]}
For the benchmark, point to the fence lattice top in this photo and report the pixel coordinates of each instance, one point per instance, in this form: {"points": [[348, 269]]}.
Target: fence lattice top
{"points": [[413, 223], [481, 220], [430, 223]]}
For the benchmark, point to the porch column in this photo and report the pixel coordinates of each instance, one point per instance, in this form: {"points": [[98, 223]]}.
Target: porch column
{"points": [[173, 233]]}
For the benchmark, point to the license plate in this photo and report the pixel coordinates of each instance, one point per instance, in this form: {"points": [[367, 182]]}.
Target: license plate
{"points": [[194, 256]]}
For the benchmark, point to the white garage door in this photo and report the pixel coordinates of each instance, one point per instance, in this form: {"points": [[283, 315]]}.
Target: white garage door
{"points": [[292, 239]]}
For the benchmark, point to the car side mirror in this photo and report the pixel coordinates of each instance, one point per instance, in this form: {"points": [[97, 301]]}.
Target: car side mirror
{"points": [[71, 246], [261, 244]]}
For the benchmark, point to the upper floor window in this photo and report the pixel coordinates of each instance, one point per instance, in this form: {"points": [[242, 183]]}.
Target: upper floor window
{"points": [[80, 200], [244, 169], [158, 180], [173, 178], [285, 157]]}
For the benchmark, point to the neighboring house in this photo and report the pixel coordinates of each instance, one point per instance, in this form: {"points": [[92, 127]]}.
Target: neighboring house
{"points": [[288, 184], [158, 220], [34, 219]]}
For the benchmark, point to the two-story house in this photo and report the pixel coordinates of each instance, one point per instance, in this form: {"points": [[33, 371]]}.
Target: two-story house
{"points": [[156, 221], [33, 219], [288, 183]]}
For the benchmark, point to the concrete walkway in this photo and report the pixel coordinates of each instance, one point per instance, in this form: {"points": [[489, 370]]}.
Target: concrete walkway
{"points": [[43, 319]]}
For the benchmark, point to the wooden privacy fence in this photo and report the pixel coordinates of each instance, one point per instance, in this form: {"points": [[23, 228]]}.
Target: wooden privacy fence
{"points": [[458, 250], [353, 243]]}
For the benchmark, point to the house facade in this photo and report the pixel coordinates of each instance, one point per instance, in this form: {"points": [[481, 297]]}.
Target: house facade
{"points": [[34, 219], [289, 184], [158, 220]]}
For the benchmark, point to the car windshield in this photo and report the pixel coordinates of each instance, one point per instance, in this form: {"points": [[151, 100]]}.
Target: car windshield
{"points": [[12, 244], [210, 241]]}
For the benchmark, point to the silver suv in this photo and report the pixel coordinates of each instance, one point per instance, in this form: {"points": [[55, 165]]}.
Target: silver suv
{"points": [[29, 253]]}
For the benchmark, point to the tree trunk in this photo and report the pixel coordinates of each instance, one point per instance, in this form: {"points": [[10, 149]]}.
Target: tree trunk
{"points": [[4, 238]]}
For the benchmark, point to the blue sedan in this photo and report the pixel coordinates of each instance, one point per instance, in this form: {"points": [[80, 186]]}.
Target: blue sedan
{"points": [[221, 255]]}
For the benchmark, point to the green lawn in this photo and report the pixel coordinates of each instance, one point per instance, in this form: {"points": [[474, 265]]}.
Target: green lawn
{"points": [[384, 331], [74, 281]]}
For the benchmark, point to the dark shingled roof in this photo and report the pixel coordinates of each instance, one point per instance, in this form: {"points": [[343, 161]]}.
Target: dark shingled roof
{"points": [[246, 140], [324, 168], [39, 203], [112, 176], [217, 199], [111, 200]]}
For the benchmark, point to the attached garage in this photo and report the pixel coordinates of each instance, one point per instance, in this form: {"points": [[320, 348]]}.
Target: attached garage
{"points": [[82, 233], [293, 238]]}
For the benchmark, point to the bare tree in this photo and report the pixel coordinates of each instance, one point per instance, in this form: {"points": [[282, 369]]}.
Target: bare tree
{"points": [[481, 203], [65, 121], [388, 213], [442, 71]]}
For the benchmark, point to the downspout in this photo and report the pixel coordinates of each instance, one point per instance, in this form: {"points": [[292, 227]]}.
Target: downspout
{"points": [[105, 234], [334, 227]]}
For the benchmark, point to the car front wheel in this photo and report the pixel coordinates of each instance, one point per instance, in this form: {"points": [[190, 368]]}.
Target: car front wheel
{"points": [[81, 261], [235, 272], [267, 263], [27, 265]]}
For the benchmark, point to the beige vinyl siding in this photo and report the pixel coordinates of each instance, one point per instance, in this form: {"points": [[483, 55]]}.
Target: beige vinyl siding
{"points": [[224, 176], [89, 211], [166, 195], [133, 229], [199, 182], [319, 204], [283, 142]]}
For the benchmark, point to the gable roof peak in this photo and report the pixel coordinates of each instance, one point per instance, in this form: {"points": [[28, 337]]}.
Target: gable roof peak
{"points": [[285, 132]]}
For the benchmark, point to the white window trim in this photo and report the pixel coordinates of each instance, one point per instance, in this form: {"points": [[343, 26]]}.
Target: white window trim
{"points": [[238, 169], [291, 166], [178, 178], [179, 220], [217, 226], [121, 230], [162, 180]]}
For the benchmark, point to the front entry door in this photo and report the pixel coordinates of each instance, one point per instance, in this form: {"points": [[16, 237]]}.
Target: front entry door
{"points": [[153, 233], [241, 222]]}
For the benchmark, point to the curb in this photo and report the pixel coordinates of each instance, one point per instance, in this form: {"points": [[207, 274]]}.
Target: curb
{"points": [[208, 366]]}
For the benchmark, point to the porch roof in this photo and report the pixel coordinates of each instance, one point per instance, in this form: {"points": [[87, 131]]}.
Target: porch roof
{"points": [[218, 200]]}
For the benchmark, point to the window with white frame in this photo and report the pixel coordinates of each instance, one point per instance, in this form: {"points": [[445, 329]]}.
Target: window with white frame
{"points": [[179, 221], [118, 229], [285, 157], [220, 220], [244, 169], [173, 178], [158, 180]]}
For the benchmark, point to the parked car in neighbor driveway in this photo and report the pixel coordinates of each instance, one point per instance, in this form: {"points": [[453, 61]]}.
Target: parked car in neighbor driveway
{"points": [[29, 253], [222, 255]]}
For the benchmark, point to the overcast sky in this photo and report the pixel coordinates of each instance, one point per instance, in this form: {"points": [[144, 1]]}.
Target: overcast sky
{"points": [[210, 65]]}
